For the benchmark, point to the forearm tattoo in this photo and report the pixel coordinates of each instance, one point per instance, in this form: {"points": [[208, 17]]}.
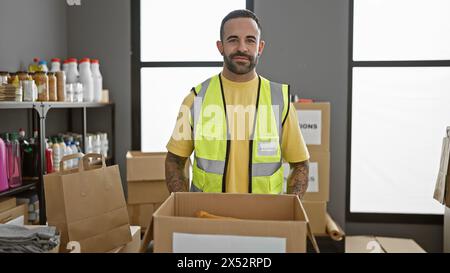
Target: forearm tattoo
{"points": [[298, 179], [175, 177]]}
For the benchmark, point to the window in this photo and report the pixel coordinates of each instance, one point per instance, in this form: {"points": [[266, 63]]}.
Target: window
{"points": [[174, 49], [400, 97]]}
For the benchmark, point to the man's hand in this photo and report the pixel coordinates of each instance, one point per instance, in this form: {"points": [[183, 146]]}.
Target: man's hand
{"points": [[175, 178], [298, 179]]}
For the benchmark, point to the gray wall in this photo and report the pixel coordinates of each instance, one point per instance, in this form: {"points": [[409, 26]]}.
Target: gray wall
{"points": [[28, 29], [101, 29], [307, 46], [31, 29]]}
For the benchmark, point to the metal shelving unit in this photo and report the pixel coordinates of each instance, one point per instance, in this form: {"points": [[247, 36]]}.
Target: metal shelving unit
{"points": [[41, 109]]}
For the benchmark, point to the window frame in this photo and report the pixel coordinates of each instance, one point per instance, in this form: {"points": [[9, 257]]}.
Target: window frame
{"points": [[394, 218], [137, 65]]}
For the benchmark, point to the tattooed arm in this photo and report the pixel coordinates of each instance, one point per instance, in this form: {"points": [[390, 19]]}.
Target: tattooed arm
{"points": [[175, 177], [298, 179]]}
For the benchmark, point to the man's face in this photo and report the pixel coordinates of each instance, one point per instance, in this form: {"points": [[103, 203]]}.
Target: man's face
{"points": [[241, 46]]}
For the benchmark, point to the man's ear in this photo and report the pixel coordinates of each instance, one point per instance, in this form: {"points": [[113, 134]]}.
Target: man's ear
{"points": [[262, 44], [220, 47]]}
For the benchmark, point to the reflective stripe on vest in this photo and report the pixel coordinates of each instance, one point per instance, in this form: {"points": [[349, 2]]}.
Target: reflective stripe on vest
{"points": [[210, 166]]}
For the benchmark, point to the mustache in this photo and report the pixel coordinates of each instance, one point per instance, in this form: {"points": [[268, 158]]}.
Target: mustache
{"points": [[241, 54]]}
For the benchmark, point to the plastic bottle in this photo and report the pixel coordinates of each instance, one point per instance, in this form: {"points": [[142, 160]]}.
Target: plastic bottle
{"points": [[13, 161], [89, 146], [98, 80], [63, 151], [34, 145], [65, 66], [56, 65], [87, 80], [72, 71], [52, 87], [56, 155], [97, 144], [78, 92], [34, 66], [48, 157], [105, 144], [74, 148], [43, 66], [61, 85], [26, 154], [68, 151], [77, 143], [3, 177]]}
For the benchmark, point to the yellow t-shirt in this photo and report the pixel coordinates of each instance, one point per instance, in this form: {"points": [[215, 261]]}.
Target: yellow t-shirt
{"points": [[239, 95]]}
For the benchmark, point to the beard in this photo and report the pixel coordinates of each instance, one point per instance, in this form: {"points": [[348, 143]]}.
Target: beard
{"points": [[239, 67]]}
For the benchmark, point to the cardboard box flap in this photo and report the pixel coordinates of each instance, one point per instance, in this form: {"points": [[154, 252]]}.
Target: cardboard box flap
{"points": [[398, 245], [259, 215], [259, 206], [362, 244]]}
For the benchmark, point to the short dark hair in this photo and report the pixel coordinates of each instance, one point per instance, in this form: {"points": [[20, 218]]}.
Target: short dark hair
{"points": [[239, 13]]}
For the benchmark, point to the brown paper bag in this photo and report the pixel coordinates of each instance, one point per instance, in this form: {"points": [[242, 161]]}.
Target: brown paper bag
{"points": [[88, 205]]}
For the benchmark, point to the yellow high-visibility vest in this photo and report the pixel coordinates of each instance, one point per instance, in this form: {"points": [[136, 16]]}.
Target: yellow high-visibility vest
{"points": [[209, 124]]}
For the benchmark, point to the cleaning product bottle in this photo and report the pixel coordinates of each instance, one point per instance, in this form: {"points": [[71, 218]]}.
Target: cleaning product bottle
{"points": [[98, 80], [48, 157], [35, 150], [74, 151], [56, 155], [87, 80], [68, 151], [62, 147], [14, 163], [34, 66], [56, 65], [26, 154], [72, 71], [3, 177], [43, 66]]}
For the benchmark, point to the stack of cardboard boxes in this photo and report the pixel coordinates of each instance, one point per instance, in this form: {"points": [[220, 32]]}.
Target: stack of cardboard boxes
{"points": [[12, 213], [314, 119], [147, 188]]}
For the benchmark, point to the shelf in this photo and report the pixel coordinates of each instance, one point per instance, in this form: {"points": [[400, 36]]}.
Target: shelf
{"points": [[76, 104], [27, 185], [50, 104], [39, 117], [18, 105]]}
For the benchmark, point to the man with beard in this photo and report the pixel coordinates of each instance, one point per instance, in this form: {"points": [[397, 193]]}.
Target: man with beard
{"points": [[239, 124]]}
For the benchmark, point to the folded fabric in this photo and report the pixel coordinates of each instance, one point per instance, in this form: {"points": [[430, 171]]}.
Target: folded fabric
{"points": [[19, 239]]}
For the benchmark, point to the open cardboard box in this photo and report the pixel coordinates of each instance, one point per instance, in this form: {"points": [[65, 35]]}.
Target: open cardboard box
{"points": [[375, 244], [279, 218]]}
